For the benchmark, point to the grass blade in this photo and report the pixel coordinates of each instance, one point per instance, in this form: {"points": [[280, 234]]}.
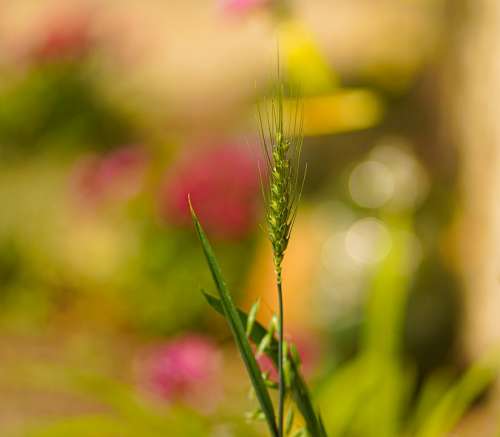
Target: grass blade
{"points": [[321, 425], [237, 329], [460, 396], [299, 389]]}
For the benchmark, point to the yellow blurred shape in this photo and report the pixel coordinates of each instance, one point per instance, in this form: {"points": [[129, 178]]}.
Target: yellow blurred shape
{"points": [[306, 66], [93, 249], [299, 268], [345, 110]]}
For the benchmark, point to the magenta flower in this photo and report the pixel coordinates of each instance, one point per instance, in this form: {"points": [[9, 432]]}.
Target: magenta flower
{"points": [[242, 6], [118, 175], [182, 368], [223, 183]]}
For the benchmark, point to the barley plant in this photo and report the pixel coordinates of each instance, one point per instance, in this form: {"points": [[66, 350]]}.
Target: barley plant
{"points": [[281, 139]]}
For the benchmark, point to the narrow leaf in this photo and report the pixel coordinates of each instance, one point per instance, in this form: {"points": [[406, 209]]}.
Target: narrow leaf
{"points": [[460, 396], [299, 390], [251, 317], [295, 354], [264, 344], [289, 421], [322, 427], [237, 328], [286, 365]]}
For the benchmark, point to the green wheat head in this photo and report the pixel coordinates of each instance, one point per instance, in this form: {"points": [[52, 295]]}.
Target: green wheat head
{"points": [[281, 138]]}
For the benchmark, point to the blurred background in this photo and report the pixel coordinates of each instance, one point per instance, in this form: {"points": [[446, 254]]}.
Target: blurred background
{"points": [[112, 112]]}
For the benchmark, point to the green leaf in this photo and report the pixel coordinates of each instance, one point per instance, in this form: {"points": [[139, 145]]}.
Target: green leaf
{"points": [[237, 328], [289, 421], [459, 397], [295, 354], [251, 317], [321, 425], [258, 332], [265, 343], [299, 390], [301, 433], [286, 365]]}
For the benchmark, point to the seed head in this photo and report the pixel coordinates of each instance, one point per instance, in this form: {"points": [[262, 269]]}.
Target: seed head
{"points": [[282, 143]]}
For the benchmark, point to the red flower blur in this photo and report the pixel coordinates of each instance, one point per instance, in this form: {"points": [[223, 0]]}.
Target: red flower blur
{"points": [[183, 368], [242, 6], [64, 37], [223, 184], [119, 175]]}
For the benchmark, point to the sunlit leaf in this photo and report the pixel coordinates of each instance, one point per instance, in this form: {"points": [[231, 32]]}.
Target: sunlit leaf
{"points": [[251, 317]]}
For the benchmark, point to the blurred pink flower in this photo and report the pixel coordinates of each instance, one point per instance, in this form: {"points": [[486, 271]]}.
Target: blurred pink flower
{"points": [[65, 37], [118, 175], [309, 350], [223, 183], [182, 368], [242, 6]]}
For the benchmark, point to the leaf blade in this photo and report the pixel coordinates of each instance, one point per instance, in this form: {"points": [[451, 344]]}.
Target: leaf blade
{"points": [[461, 395], [237, 328], [299, 389]]}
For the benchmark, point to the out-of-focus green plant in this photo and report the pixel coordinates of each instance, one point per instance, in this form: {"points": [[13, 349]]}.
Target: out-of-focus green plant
{"points": [[107, 405], [124, 412], [130, 418], [57, 105], [165, 263], [372, 394]]}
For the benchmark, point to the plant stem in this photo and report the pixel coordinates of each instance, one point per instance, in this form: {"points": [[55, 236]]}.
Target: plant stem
{"points": [[281, 375]]}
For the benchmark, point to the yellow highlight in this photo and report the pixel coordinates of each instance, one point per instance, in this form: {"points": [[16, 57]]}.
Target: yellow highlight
{"points": [[306, 65], [342, 111]]}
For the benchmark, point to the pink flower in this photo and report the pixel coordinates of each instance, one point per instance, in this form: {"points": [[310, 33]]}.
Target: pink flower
{"points": [[309, 350], [66, 37], [242, 6], [118, 175], [182, 368], [223, 183]]}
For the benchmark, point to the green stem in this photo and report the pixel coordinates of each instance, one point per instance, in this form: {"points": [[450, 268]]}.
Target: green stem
{"points": [[281, 375]]}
